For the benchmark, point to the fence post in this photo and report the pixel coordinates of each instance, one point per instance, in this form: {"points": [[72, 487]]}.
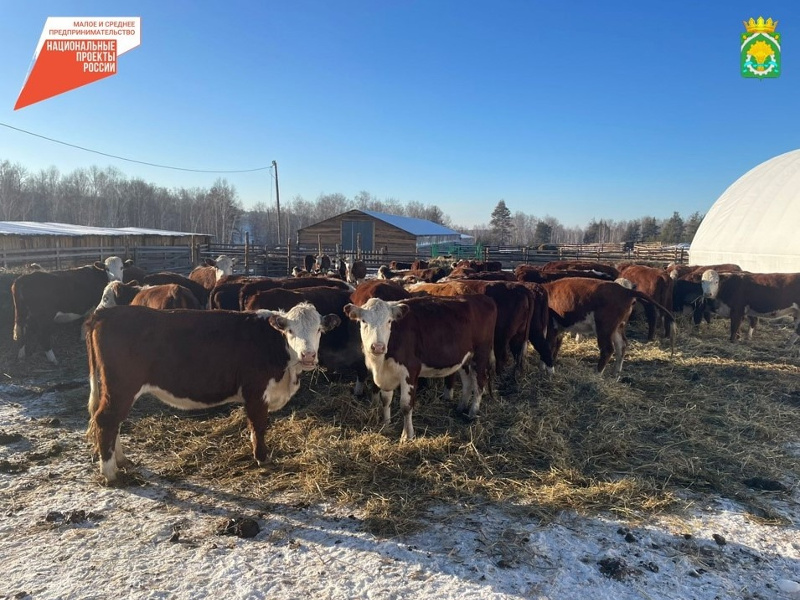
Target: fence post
{"points": [[289, 255], [246, 252]]}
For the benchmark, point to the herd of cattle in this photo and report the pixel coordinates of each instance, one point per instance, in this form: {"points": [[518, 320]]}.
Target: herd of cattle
{"points": [[214, 337]]}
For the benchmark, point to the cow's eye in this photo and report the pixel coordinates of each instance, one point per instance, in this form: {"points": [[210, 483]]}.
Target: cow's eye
{"points": [[291, 332]]}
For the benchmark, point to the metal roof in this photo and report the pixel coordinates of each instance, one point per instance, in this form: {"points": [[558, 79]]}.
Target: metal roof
{"points": [[34, 228], [413, 226]]}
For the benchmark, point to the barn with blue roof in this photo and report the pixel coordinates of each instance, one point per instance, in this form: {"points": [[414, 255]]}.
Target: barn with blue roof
{"points": [[376, 231]]}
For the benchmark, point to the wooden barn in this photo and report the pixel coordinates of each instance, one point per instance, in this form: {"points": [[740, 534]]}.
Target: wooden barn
{"points": [[376, 231], [57, 245]]}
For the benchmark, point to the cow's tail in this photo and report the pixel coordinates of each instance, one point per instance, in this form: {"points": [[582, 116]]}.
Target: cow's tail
{"points": [[94, 385], [20, 311], [645, 299]]}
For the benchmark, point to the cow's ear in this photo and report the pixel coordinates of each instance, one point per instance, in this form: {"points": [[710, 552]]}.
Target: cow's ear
{"points": [[330, 322], [128, 263], [278, 322], [353, 312], [210, 262], [99, 265], [399, 311], [134, 283]]}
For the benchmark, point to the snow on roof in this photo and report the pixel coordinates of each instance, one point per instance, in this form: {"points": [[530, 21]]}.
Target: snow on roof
{"points": [[411, 225], [35, 228]]}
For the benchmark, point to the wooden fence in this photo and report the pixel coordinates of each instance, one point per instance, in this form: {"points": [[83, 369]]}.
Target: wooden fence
{"points": [[279, 261]]}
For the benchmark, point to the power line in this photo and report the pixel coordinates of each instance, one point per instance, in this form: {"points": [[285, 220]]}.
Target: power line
{"points": [[141, 162]]}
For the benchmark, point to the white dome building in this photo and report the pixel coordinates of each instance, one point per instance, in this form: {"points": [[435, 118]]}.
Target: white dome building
{"points": [[754, 223]]}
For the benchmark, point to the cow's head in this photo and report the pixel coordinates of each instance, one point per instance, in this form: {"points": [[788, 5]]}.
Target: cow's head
{"points": [[384, 272], [302, 327], [710, 283], [224, 266], [376, 318], [113, 265], [626, 283], [116, 293]]}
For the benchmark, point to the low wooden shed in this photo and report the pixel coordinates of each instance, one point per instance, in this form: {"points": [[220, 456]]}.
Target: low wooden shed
{"points": [[376, 230]]}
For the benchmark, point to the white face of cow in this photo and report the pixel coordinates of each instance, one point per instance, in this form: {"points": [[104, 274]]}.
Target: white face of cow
{"points": [[376, 318], [302, 327], [114, 268], [224, 264], [710, 283], [109, 296]]}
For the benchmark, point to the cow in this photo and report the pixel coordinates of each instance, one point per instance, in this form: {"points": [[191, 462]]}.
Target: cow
{"points": [[584, 305], [323, 263], [378, 288], [427, 337], [514, 311], [199, 292], [42, 299], [340, 350], [488, 276], [538, 275], [169, 295], [195, 359], [687, 294], [250, 288], [479, 265], [753, 295], [225, 295], [430, 275], [213, 270], [131, 272], [657, 284], [397, 265], [309, 261], [356, 271], [584, 266], [540, 325], [417, 265]]}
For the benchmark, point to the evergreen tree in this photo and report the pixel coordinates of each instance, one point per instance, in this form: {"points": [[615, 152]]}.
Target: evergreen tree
{"points": [[542, 234], [690, 227], [650, 229], [501, 223], [672, 230]]}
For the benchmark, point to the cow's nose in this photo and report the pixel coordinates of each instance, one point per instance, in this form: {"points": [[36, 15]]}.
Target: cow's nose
{"points": [[308, 357], [378, 348]]}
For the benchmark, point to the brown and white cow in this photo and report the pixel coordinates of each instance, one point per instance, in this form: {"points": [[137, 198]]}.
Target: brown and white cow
{"points": [[340, 349], [213, 270], [427, 337], [586, 266], [195, 359], [514, 311], [657, 284], [198, 291], [44, 298], [754, 295], [356, 271], [166, 296], [584, 305]]}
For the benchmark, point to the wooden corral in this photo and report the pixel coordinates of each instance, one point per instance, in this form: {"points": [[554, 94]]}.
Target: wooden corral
{"points": [[374, 232]]}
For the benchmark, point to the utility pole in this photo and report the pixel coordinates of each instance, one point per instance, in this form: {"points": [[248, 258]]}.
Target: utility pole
{"points": [[278, 201]]}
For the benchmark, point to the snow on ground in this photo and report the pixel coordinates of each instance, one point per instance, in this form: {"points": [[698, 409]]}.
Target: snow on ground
{"points": [[161, 539]]}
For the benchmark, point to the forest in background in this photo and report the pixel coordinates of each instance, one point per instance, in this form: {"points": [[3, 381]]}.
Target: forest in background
{"points": [[106, 197]]}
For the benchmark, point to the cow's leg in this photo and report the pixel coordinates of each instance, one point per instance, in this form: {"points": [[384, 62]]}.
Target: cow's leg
{"points": [[467, 388], [104, 432], [449, 384], [620, 345], [753, 322], [255, 406], [45, 335], [386, 398], [517, 345], [651, 314], [737, 316], [408, 397]]}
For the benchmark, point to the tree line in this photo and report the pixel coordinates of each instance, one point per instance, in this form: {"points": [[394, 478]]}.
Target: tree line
{"points": [[106, 197]]}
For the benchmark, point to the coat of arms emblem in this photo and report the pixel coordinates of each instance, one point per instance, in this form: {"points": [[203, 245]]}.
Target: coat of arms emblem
{"points": [[761, 49]]}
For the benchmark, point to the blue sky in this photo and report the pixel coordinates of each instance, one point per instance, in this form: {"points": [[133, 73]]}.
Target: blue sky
{"points": [[575, 110]]}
